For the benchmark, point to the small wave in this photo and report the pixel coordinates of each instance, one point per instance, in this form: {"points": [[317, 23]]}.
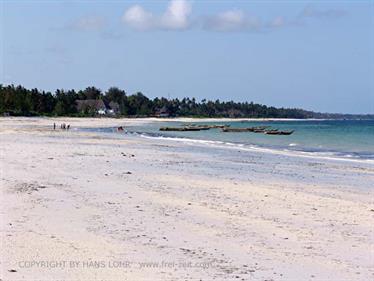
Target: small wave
{"points": [[293, 144], [184, 139]]}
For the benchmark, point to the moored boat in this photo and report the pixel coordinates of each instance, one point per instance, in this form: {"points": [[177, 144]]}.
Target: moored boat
{"points": [[286, 133], [178, 129], [215, 126], [258, 129], [273, 132], [236, 130], [219, 126]]}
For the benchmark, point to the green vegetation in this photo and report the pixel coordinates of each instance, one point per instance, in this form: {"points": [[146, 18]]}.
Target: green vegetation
{"points": [[19, 101]]}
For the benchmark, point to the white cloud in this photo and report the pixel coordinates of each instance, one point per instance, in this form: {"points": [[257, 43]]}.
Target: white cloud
{"points": [[176, 17], [231, 20], [178, 12], [138, 18], [238, 21]]}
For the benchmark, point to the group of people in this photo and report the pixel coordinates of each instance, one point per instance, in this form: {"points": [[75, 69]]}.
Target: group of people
{"points": [[63, 126]]}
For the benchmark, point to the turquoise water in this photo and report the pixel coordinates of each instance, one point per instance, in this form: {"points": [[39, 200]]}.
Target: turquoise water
{"points": [[352, 139]]}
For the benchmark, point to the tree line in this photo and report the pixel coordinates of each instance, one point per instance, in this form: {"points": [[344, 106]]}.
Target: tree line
{"points": [[19, 101]]}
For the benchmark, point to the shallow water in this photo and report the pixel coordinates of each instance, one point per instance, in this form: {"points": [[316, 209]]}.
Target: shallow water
{"points": [[348, 139]]}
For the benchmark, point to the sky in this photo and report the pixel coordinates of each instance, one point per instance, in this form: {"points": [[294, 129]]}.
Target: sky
{"points": [[316, 55]]}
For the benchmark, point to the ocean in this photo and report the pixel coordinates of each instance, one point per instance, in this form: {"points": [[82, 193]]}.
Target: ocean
{"points": [[341, 139]]}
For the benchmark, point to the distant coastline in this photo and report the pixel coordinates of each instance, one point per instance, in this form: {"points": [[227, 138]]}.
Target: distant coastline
{"points": [[92, 102]]}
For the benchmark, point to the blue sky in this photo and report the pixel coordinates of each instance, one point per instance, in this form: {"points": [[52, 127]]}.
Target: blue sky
{"points": [[316, 55]]}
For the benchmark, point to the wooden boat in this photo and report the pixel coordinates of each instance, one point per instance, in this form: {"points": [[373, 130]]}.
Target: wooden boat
{"points": [[206, 127], [286, 133], [282, 133], [271, 131], [219, 126], [191, 127], [258, 129], [179, 129]]}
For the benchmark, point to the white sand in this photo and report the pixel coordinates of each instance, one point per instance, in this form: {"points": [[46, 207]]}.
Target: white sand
{"points": [[188, 213]]}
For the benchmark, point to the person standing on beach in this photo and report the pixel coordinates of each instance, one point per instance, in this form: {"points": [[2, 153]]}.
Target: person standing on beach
{"points": [[54, 126]]}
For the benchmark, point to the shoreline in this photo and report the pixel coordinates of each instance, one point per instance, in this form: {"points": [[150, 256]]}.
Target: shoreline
{"points": [[160, 206], [92, 123], [176, 119]]}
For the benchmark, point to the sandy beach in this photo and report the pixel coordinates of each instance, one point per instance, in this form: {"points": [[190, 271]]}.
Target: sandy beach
{"points": [[77, 205]]}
